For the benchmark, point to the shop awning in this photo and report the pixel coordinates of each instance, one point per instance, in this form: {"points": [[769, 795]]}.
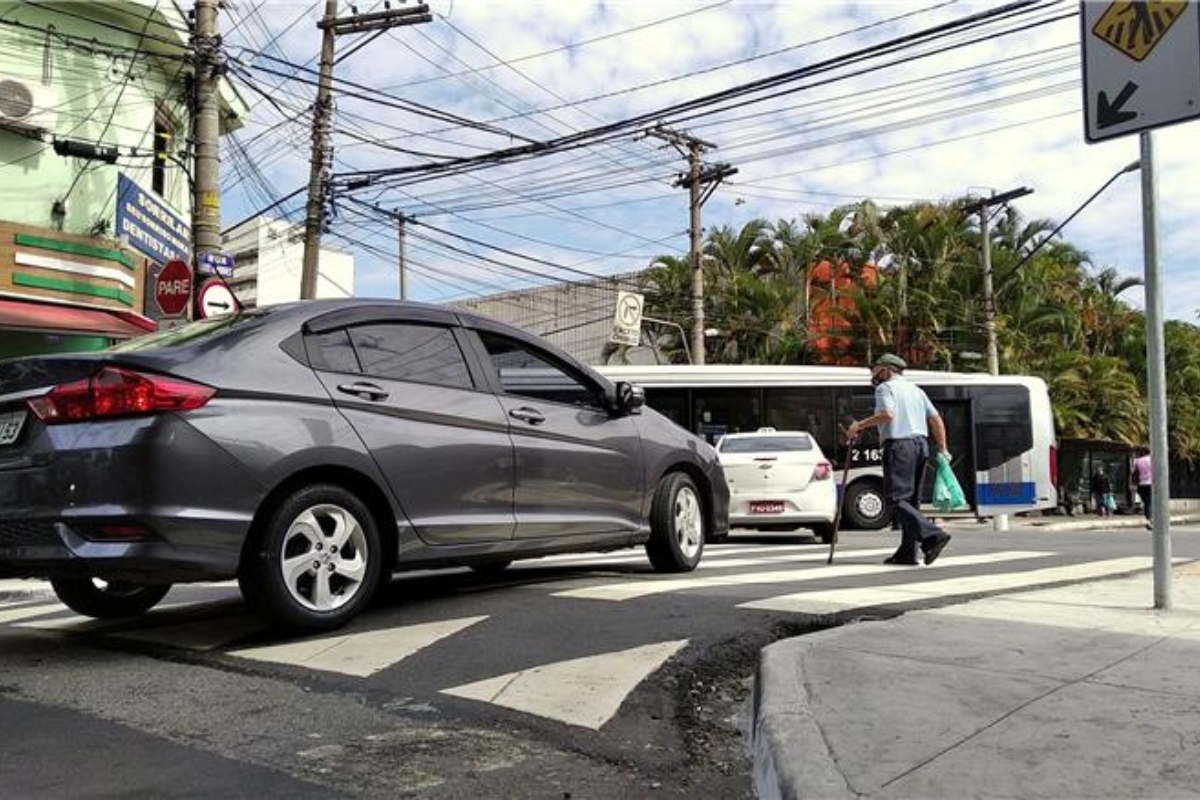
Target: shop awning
{"points": [[70, 319]]}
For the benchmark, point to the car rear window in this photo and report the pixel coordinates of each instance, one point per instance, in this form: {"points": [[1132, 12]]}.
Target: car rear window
{"points": [[189, 333], [766, 444]]}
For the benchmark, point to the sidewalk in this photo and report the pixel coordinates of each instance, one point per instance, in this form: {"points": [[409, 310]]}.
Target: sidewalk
{"points": [[1081, 691]]}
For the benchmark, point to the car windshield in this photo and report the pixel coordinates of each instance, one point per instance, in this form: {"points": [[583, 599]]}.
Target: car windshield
{"points": [[188, 333], [766, 444]]}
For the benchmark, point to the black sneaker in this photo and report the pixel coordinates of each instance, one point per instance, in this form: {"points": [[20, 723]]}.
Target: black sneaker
{"points": [[900, 561], [933, 547]]}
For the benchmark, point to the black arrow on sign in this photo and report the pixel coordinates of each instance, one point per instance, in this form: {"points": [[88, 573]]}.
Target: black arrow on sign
{"points": [[218, 304], [1109, 114]]}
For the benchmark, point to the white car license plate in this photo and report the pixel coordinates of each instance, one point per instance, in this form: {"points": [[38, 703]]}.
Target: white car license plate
{"points": [[11, 423], [767, 507]]}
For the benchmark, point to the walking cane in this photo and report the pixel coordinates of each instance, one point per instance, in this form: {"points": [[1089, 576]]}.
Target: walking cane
{"points": [[841, 498]]}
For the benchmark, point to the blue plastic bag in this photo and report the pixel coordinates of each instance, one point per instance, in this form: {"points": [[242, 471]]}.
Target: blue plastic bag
{"points": [[947, 493]]}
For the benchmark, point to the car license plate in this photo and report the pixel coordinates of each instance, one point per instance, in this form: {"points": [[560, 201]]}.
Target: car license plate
{"points": [[10, 425], [767, 507]]}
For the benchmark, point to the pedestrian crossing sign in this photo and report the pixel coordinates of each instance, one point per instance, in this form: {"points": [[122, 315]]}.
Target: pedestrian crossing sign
{"points": [[1134, 28]]}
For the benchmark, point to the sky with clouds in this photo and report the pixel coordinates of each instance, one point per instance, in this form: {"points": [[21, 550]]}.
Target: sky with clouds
{"points": [[891, 101]]}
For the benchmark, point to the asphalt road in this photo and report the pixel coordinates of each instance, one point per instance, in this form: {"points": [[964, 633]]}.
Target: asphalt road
{"points": [[580, 677]]}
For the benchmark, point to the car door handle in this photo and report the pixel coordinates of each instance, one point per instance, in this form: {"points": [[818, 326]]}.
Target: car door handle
{"points": [[367, 391], [526, 414]]}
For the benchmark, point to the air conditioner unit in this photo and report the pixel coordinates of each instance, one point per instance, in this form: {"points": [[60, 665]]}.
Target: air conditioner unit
{"points": [[27, 105]]}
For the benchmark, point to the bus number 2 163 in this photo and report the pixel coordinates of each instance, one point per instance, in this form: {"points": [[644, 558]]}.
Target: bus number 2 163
{"points": [[866, 455]]}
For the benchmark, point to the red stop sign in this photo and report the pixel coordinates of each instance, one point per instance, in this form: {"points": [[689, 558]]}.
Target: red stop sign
{"points": [[173, 288]]}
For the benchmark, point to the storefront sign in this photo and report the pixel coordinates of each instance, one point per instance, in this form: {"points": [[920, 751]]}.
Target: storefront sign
{"points": [[150, 226]]}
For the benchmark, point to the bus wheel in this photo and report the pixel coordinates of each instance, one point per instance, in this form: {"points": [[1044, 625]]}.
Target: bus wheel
{"points": [[864, 507]]}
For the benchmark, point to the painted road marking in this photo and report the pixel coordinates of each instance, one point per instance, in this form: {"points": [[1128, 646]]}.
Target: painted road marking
{"points": [[840, 599], [358, 654], [630, 590], [585, 692]]}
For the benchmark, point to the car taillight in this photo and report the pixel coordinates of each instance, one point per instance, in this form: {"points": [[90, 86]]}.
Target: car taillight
{"points": [[116, 392], [1053, 466], [823, 471]]}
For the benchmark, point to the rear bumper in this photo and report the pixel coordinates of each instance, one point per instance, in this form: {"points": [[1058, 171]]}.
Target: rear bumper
{"points": [[189, 501], [58, 549], [801, 508]]}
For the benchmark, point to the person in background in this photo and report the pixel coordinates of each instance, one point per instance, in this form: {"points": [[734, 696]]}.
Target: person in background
{"points": [[906, 418], [1101, 486], [1142, 478]]}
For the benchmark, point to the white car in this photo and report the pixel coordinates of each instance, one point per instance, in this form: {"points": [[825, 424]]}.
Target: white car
{"points": [[778, 480]]}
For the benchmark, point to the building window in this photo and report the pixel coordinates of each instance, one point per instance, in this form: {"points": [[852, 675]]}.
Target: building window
{"points": [[164, 138]]}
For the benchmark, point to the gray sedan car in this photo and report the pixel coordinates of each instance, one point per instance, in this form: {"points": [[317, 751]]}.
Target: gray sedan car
{"points": [[313, 449]]}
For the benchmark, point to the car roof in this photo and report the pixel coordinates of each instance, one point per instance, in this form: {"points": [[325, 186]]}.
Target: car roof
{"points": [[764, 434]]}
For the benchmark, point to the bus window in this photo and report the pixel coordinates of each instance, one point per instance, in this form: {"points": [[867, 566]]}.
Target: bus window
{"points": [[802, 409], [1001, 425], [716, 412], [671, 403]]}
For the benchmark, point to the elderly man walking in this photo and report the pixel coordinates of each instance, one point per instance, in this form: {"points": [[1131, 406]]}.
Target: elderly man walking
{"points": [[906, 418]]}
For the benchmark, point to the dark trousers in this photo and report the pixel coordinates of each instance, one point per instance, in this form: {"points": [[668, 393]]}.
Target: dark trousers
{"points": [[903, 470], [1144, 491]]}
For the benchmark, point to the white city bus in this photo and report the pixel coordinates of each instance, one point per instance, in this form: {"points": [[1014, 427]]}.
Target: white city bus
{"points": [[1000, 427]]}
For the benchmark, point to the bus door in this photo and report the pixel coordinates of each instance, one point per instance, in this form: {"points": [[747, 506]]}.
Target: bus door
{"points": [[956, 415]]}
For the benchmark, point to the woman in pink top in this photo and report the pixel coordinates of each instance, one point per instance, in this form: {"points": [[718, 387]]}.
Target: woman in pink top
{"points": [[1141, 477]]}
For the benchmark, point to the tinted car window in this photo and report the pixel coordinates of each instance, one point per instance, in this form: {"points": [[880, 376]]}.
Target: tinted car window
{"points": [[404, 352], [766, 444], [528, 373], [333, 351]]}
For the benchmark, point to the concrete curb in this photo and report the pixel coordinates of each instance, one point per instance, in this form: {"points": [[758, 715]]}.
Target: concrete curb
{"points": [[785, 731]]}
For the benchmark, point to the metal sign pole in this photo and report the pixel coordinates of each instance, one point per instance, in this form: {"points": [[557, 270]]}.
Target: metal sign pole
{"points": [[1157, 382]]}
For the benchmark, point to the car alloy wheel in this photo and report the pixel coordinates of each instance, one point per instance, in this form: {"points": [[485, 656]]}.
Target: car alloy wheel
{"points": [[323, 558], [689, 521]]}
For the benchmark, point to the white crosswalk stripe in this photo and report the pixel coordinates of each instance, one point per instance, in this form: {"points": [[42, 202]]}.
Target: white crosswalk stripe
{"points": [[585, 692], [359, 654], [629, 590], [824, 601], [16, 613]]}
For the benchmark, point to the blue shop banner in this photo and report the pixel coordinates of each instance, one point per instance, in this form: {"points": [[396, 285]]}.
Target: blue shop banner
{"points": [[150, 226]]}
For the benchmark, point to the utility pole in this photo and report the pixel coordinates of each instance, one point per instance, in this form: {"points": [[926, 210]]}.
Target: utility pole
{"points": [[206, 131], [698, 176], [401, 220], [319, 166], [984, 209], [331, 26]]}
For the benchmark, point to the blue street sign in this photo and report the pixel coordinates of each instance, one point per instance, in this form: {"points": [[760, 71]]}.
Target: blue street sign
{"points": [[150, 225], [215, 264]]}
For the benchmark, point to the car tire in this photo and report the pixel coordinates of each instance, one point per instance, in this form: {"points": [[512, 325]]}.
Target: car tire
{"points": [[108, 599], [317, 562], [864, 506], [823, 531], [677, 528]]}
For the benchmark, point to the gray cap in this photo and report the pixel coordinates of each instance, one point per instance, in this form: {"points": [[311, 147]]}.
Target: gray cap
{"points": [[891, 361]]}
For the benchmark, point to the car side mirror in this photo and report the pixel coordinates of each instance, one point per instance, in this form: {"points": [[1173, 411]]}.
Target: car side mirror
{"points": [[628, 398]]}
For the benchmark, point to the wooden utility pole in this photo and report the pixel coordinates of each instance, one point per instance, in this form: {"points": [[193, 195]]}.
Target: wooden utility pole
{"points": [[697, 176], [331, 26]]}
